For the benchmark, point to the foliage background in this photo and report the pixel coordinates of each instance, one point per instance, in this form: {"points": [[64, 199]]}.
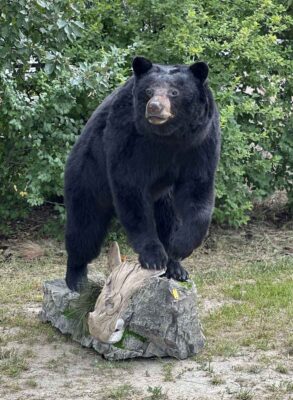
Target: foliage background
{"points": [[58, 60]]}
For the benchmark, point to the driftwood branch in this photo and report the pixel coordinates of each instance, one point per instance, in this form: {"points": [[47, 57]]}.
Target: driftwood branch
{"points": [[106, 322]]}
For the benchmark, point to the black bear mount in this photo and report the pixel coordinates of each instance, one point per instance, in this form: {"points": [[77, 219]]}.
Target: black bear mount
{"points": [[148, 155]]}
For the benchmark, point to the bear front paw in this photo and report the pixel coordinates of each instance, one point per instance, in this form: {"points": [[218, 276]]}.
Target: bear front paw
{"points": [[176, 271], [153, 256]]}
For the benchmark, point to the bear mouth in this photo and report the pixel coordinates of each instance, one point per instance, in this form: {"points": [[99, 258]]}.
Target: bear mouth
{"points": [[156, 119]]}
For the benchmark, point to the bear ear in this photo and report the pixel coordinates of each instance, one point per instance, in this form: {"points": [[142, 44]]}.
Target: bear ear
{"points": [[141, 65], [200, 70]]}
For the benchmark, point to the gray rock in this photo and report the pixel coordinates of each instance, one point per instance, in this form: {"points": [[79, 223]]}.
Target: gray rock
{"points": [[161, 320]]}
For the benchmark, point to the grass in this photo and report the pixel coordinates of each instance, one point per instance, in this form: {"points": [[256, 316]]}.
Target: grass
{"points": [[12, 363], [205, 364], [257, 306], [31, 383], [217, 380], [122, 392], [254, 369], [244, 394], [57, 364], [250, 284], [156, 393], [282, 369], [6, 353], [283, 387], [167, 372]]}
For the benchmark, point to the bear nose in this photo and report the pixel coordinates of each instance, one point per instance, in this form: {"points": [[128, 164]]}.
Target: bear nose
{"points": [[155, 107]]}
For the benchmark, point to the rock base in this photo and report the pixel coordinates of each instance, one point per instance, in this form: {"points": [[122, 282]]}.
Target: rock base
{"points": [[161, 320]]}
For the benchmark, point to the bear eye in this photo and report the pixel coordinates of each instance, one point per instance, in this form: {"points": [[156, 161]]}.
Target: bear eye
{"points": [[174, 92], [149, 92]]}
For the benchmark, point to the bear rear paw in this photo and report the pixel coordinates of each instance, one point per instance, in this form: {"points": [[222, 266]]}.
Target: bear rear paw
{"points": [[76, 278]]}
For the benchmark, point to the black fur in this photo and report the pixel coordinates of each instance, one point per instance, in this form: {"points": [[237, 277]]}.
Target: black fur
{"points": [[157, 179]]}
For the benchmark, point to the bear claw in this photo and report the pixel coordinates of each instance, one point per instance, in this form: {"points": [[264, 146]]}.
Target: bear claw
{"points": [[176, 271]]}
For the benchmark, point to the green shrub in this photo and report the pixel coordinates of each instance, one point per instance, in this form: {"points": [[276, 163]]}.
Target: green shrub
{"points": [[58, 60]]}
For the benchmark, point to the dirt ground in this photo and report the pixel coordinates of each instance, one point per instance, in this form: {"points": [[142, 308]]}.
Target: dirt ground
{"points": [[249, 347]]}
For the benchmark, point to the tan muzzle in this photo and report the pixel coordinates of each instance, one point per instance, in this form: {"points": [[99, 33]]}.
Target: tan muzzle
{"points": [[158, 110]]}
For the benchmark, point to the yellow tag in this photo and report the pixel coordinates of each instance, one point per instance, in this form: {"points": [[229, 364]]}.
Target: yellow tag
{"points": [[175, 294]]}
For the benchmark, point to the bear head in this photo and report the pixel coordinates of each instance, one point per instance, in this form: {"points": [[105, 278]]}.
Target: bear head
{"points": [[171, 101]]}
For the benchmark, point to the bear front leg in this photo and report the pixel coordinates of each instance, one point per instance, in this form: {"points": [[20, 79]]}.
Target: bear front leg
{"points": [[166, 222], [134, 208], [194, 201]]}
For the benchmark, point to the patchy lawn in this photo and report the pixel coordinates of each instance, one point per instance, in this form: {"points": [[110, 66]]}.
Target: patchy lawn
{"points": [[245, 288]]}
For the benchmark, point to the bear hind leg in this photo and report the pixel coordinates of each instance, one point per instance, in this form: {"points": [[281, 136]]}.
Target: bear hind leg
{"points": [[83, 244]]}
